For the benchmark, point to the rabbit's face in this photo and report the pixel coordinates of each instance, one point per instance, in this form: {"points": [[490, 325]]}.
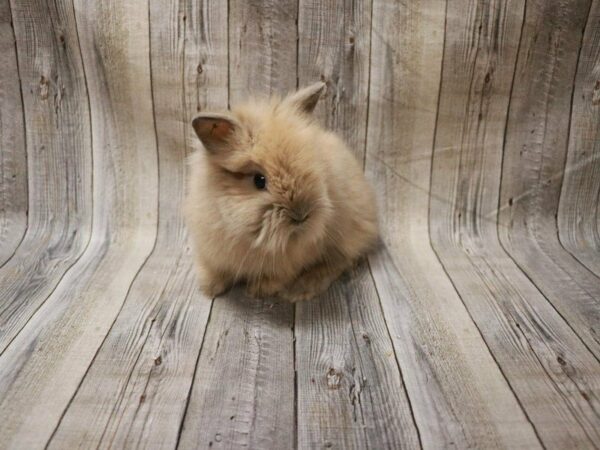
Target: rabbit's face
{"points": [[269, 175]]}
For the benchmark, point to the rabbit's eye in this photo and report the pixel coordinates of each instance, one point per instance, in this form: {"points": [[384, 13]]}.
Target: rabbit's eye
{"points": [[260, 181]]}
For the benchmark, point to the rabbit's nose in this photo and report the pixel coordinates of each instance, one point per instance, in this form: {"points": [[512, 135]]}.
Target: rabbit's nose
{"points": [[299, 213]]}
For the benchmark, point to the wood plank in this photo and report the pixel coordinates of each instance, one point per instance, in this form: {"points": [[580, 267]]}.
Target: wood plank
{"points": [[459, 397], [243, 392], [262, 50], [534, 159], [13, 156], [42, 370], [350, 390], [157, 336], [334, 46], [579, 208], [552, 373], [58, 136]]}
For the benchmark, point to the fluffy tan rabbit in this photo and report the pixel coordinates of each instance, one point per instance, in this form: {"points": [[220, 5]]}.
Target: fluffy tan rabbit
{"points": [[275, 200]]}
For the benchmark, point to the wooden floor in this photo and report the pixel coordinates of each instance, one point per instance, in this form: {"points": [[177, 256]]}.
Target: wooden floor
{"points": [[476, 324]]}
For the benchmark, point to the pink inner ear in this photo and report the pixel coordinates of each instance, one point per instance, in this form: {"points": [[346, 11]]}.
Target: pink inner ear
{"points": [[219, 130]]}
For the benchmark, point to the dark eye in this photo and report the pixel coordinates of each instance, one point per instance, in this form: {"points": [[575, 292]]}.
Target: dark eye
{"points": [[260, 181]]}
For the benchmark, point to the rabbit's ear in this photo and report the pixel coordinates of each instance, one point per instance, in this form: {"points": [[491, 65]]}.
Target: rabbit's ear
{"points": [[306, 98], [215, 131]]}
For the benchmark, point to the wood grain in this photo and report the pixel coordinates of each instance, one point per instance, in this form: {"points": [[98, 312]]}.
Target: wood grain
{"points": [[475, 324], [544, 362], [13, 156], [262, 48], [157, 336], [579, 210], [334, 45], [42, 369], [58, 137], [459, 396], [243, 393], [534, 159], [350, 390]]}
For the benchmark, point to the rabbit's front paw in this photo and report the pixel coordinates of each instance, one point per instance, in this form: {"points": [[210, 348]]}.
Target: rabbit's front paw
{"points": [[306, 287], [213, 283], [265, 287]]}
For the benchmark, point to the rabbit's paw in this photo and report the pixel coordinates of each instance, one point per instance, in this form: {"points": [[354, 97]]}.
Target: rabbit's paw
{"points": [[306, 287], [213, 284], [265, 287]]}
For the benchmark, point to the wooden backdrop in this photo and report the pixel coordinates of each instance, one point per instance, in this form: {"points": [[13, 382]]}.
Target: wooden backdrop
{"points": [[477, 322]]}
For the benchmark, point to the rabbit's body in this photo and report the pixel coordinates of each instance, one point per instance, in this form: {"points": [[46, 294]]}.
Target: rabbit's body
{"points": [[314, 216]]}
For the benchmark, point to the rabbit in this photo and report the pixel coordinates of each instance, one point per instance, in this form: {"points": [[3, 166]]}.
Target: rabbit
{"points": [[276, 201]]}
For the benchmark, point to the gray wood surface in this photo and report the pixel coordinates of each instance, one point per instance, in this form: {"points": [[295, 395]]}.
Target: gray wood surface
{"points": [[536, 145], [579, 208], [58, 137], [243, 394], [350, 389], [438, 348], [158, 333], [527, 337], [47, 360], [13, 157], [474, 324]]}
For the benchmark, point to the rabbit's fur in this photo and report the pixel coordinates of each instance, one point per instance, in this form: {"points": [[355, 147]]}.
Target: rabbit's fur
{"points": [[315, 216]]}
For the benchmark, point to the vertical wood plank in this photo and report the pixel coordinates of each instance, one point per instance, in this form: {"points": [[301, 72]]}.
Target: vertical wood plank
{"points": [[262, 49], [13, 161], [542, 359], [243, 392], [579, 208], [459, 397], [58, 136], [334, 41], [534, 161], [350, 391], [42, 370], [157, 336]]}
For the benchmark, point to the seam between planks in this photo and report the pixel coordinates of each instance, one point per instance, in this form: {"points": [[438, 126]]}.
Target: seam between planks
{"points": [[12, 26], [387, 329], [189, 395], [429, 214], [364, 161], [295, 308]]}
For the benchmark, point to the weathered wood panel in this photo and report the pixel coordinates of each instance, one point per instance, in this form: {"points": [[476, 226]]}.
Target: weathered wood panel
{"points": [[13, 160], [459, 396], [157, 336], [543, 360], [262, 50], [350, 392], [243, 392], [534, 159], [58, 137], [462, 330], [334, 45], [579, 208], [41, 370]]}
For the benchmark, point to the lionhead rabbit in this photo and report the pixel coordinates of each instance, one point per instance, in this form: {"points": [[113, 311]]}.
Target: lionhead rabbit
{"points": [[275, 200]]}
